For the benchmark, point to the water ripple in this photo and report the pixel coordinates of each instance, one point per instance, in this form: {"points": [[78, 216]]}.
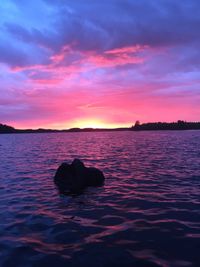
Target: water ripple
{"points": [[147, 213]]}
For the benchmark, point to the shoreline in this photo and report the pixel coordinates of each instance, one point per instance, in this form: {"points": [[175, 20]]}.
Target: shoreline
{"points": [[96, 130], [155, 126]]}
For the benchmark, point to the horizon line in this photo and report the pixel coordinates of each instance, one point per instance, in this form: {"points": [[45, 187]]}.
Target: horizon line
{"points": [[137, 123]]}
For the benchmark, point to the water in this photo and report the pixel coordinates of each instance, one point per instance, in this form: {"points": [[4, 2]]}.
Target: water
{"points": [[147, 213]]}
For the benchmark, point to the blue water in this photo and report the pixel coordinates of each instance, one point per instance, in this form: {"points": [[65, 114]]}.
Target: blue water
{"points": [[146, 214]]}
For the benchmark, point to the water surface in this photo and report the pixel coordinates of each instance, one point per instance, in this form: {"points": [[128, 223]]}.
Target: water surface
{"points": [[146, 214]]}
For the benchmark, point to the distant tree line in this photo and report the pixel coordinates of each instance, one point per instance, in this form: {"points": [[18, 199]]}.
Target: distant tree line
{"points": [[179, 125], [9, 129], [6, 129], [151, 126]]}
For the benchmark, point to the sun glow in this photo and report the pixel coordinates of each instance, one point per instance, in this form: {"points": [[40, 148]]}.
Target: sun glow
{"points": [[93, 123]]}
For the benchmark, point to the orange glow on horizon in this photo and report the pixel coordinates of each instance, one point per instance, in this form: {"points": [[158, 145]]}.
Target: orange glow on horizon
{"points": [[78, 123], [96, 123]]}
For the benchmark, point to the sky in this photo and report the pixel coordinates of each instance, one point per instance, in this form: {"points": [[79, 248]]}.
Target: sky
{"points": [[91, 63]]}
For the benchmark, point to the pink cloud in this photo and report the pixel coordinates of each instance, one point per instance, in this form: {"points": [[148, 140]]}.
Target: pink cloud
{"points": [[77, 88], [51, 109], [126, 50]]}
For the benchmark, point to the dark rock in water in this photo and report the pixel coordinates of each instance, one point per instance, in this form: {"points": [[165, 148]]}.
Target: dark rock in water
{"points": [[74, 177]]}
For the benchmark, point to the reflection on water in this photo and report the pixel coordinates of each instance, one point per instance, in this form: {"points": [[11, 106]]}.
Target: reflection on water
{"points": [[147, 213]]}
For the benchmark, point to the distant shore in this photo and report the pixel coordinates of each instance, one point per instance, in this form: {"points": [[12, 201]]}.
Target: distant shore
{"points": [[154, 126]]}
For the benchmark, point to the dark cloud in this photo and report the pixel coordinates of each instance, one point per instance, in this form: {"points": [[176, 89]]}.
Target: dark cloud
{"points": [[45, 39], [103, 25], [94, 25], [12, 56]]}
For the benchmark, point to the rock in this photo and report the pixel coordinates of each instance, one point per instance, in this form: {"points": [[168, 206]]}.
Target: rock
{"points": [[75, 177]]}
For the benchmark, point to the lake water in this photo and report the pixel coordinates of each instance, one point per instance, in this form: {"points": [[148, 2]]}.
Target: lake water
{"points": [[146, 214]]}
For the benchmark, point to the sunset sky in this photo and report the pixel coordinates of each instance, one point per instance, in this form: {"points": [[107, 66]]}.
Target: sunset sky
{"points": [[92, 63]]}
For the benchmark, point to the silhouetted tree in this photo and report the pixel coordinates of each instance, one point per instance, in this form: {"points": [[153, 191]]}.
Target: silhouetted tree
{"points": [[137, 123], [180, 122], [6, 129]]}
